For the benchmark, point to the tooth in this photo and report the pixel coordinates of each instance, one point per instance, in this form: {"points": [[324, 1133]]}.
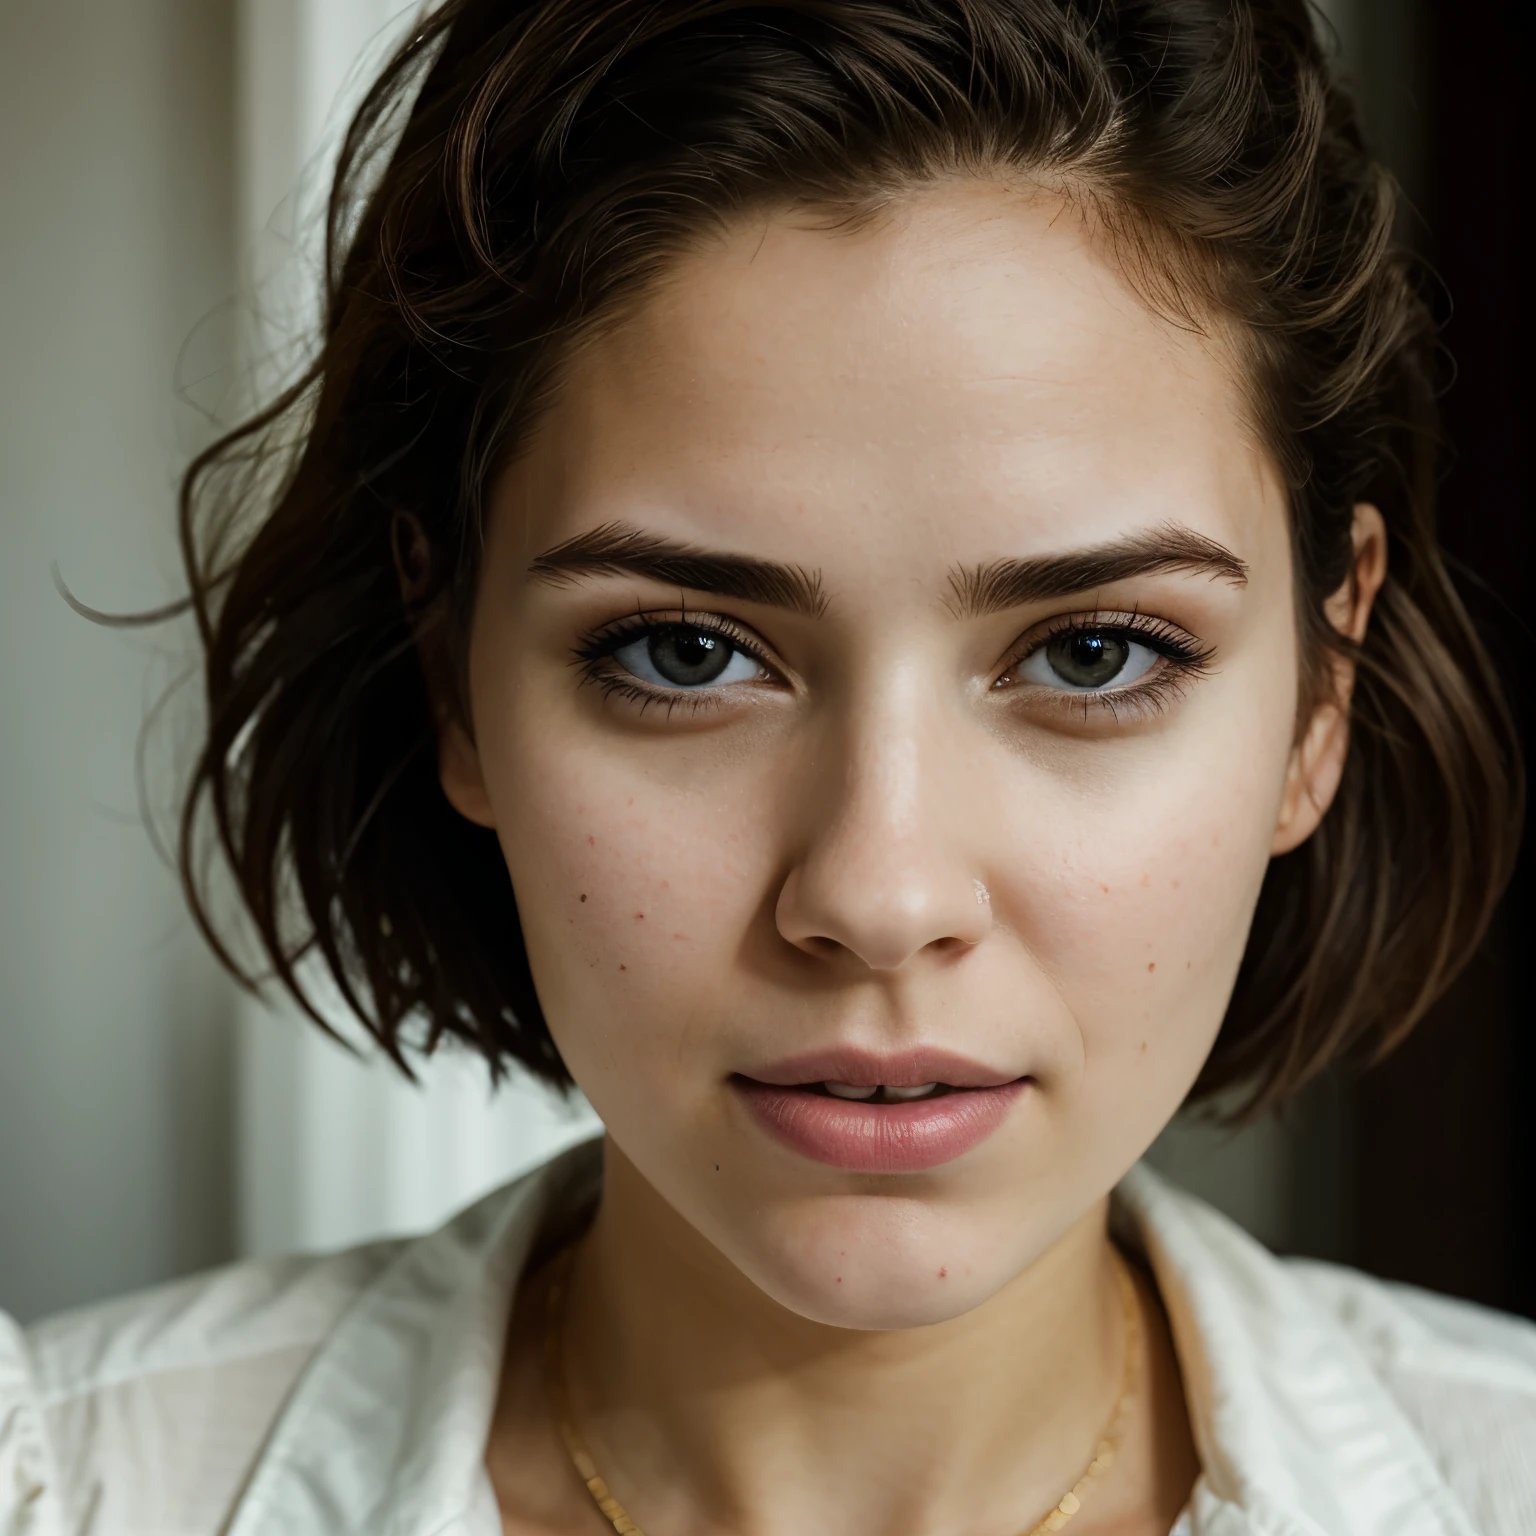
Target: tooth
{"points": [[849, 1091], [901, 1095]]}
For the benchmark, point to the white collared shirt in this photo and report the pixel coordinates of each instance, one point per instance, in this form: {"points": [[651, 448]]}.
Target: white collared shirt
{"points": [[352, 1395]]}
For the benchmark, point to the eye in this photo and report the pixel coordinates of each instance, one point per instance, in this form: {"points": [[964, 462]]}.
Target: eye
{"points": [[682, 656], [1088, 661]]}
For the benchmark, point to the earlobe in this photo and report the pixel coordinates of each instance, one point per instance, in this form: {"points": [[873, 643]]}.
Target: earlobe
{"points": [[458, 760], [458, 769], [1317, 759], [1312, 777]]}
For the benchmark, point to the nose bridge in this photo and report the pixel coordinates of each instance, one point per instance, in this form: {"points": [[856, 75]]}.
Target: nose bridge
{"points": [[885, 767], [886, 870]]}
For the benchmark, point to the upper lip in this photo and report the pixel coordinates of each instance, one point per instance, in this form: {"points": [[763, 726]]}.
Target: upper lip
{"points": [[871, 1069]]}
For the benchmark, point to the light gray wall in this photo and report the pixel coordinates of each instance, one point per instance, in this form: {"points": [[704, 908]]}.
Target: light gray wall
{"points": [[115, 242]]}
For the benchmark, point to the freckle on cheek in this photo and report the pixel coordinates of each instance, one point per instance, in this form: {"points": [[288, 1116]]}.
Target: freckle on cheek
{"points": [[1151, 966]]}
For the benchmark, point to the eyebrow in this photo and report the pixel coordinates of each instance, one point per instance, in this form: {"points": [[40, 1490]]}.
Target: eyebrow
{"points": [[984, 589], [620, 547]]}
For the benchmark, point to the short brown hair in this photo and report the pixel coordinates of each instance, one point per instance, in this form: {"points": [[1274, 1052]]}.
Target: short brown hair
{"points": [[523, 166]]}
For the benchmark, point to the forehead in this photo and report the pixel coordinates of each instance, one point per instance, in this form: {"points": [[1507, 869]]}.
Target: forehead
{"points": [[970, 368]]}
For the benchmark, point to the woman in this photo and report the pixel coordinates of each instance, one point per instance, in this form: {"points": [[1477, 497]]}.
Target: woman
{"points": [[900, 534]]}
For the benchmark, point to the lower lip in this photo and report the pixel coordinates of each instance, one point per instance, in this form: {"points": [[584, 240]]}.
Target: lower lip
{"points": [[879, 1138]]}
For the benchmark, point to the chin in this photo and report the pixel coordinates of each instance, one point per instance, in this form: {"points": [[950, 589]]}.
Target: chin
{"points": [[874, 1262]]}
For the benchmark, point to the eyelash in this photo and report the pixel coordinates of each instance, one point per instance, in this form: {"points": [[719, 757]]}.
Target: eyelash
{"points": [[593, 657], [1185, 658]]}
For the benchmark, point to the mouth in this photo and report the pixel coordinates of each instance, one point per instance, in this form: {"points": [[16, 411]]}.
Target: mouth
{"points": [[872, 1114]]}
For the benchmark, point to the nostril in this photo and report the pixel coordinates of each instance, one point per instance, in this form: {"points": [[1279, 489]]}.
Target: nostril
{"points": [[823, 947], [835, 912]]}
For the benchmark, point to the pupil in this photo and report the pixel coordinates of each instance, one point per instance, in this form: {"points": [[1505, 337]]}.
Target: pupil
{"points": [[1088, 660], [689, 657]]}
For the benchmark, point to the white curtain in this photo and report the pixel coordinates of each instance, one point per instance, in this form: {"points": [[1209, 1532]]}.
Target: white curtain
{"points": [[334, 1148]]}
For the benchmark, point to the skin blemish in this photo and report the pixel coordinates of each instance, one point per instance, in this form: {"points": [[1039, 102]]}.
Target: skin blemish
{"points": [[679, 935], [639, 917], [583, 895], [1146, 879], [1151, 966], [623, 967], [591, 842], [1105, 889], [943, 1274], [1143, 1045]]}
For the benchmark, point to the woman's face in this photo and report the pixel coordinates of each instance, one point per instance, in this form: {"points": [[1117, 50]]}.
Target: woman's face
{"points": [[884, 673]]}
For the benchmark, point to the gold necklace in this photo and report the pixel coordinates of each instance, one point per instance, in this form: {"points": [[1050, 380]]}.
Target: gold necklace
{"points": [[586, 1469]]}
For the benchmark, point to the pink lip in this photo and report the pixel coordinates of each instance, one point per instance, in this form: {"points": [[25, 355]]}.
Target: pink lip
{"points": [[867, 1069], [879, 1138]]}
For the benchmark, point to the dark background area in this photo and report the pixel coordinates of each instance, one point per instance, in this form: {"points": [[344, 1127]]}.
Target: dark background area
{"points": [[1441, 1150]]}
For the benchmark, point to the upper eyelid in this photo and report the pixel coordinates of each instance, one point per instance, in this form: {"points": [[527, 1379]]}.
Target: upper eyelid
{"points": [[1128, 620], [603, 642], [612, 635], [617, 632]]}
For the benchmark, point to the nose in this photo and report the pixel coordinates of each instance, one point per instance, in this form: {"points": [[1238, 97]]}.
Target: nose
{"points": [[885, 873]]}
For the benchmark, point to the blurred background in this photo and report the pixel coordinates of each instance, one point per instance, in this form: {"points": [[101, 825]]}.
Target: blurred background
{"points": [[163, 163]]}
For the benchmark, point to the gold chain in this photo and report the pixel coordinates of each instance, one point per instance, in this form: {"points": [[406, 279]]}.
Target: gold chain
{"points": [[586, 1469]]}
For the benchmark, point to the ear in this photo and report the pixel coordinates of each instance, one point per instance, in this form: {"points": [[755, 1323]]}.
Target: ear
{"points": [[458, 770], [1317, 760], [458, 760]]}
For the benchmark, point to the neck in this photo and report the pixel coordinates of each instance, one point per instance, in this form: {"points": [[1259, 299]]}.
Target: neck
{"points": [[707, 1405]]}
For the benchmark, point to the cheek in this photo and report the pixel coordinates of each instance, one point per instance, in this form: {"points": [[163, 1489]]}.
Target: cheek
{"points": [[636, 894], [1139, 910]]}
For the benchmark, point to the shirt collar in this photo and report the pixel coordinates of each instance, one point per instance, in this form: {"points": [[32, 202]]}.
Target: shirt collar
{"points": [[1294, 1429], [385, 1433]]}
